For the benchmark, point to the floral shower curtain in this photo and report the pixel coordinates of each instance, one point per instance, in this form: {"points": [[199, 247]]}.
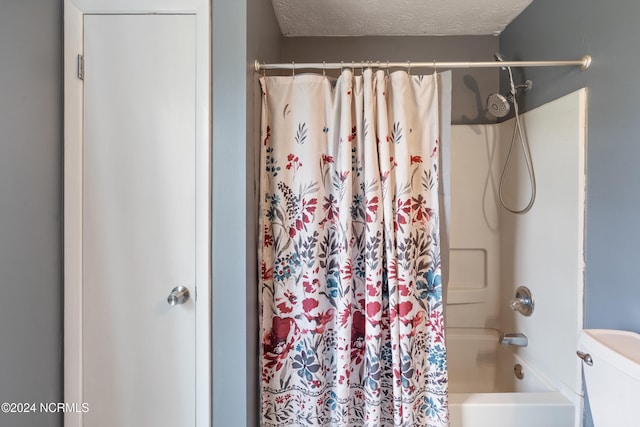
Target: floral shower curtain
{"points": [[350, 283]]}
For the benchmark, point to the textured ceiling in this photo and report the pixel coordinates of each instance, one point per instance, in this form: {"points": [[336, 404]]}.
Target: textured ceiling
{"points": [[395, 17]]}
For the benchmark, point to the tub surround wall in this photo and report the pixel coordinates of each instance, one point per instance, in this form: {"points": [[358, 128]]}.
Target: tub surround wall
{"points": [[494, 251], [474, 283], [543, 249]]}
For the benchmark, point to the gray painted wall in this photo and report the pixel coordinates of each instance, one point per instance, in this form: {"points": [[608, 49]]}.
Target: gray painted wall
{"points": [[229, 202], [550, 29], [30, 207], [470, 87]]}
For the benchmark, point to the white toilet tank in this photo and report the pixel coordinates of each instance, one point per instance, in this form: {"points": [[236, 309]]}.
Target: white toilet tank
{"points": [[613, 381]]}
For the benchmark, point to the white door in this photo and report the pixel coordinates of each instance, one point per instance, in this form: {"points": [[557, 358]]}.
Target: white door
{"points": [[138, 220]]}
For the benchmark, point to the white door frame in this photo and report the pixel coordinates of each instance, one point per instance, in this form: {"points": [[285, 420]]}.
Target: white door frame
{"points": [[74, 11]]}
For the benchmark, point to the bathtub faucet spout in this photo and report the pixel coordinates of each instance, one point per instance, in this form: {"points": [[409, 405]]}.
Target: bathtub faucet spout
{"points": [[518, 340]]}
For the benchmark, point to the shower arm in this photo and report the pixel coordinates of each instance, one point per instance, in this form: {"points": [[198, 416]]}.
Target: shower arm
{"points": [[583, 63]]}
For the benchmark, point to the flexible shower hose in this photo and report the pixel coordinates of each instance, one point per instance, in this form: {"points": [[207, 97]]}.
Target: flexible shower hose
{"points": [[517, 130]]}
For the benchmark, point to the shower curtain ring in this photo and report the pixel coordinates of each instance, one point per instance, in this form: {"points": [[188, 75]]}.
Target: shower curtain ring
{"points": [[293, 68], [408, 67], [435, 68], [341, 67], [387, 68], [324, 69]]}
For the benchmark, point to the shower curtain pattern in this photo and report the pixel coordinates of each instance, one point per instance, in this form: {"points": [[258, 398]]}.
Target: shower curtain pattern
{"points": [[350, 289]]}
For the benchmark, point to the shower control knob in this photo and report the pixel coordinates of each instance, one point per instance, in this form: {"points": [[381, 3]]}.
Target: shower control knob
{"points": [[523, 302]]}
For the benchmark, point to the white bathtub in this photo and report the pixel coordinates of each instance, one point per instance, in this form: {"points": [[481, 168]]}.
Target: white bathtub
{"points": [[484, 392]]}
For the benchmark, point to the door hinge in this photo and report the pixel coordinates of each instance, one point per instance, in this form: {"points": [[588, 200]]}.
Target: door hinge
{"points": [[81, 67]]}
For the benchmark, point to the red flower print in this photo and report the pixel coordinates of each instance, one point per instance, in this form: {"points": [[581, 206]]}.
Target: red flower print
{"points": [[290, 299], [266, 273], [279, 341], [373, 308], [309, 286], [357, 337], [401, 310], [402, 211], [434, 153], [346, 271], [353, 134], [294, 163], [392, 272], [418, 319], [326, 159], [405, 308], [321, 320], [416, 159], [284, 308], [268, 238], [373, 290], [436, 322], [291, 296], [308, 283], [357, 326], [372, 208], [421, 212], [403, 290], [331, 207], [309, 304], [304, 216], [280, 329], [344, 315], [308, 209]]}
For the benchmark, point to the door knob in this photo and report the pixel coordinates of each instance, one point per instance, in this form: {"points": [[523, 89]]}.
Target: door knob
{"points": [[178, 295]]}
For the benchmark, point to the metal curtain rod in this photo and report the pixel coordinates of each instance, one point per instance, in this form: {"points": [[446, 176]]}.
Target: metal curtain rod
{"points": [[583, 63]]}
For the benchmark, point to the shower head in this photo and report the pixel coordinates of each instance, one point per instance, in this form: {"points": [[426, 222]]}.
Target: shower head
{"points": [[498, 105]]}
